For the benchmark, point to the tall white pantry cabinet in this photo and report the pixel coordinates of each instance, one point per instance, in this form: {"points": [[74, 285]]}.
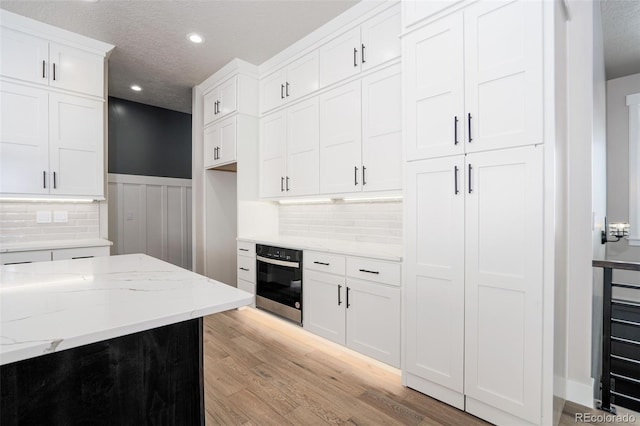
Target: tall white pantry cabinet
{"points": [[52, 96], [476, 160]]}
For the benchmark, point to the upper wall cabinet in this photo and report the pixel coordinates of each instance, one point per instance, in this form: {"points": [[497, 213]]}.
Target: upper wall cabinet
{"points": [[296, 80], [236, 94], [414, 11], [35, 60], [474, 80], [372, 43]]}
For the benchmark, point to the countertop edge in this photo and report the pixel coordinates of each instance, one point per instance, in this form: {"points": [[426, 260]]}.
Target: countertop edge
{"points": [[53, 245]]}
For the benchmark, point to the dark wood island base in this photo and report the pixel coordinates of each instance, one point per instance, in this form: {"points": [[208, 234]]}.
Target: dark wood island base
{"points": [[152, 377]]}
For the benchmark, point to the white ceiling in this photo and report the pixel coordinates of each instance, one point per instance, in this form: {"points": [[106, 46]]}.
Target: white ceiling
{"points": [[153, 52], [150, 37], [621, 29]]}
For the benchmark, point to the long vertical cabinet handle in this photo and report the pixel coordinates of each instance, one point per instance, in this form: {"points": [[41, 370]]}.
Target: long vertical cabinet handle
{"points": [[44, 68], [455, 130], [286, 92], [287, 186], [364, 179], [348, 304], [470, 171], [455, 180], [282, 91], [44, 179], [469, 126], [54, 71], [362, 53], [55, 185], [281, 184], [355, 57], [355, 175], [339, 291]]}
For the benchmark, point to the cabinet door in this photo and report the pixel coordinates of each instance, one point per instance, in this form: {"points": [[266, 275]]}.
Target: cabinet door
{"points": [[79, 253], [24, 140], [227, 146], [273, 154], [303, 76], [434, 309], [211, 144], [76, 145], [340, 58], [340, 140], [434, 101], [228, 97], [303, 148], [503, 74], [503, 282], [324, 304], [373, 320], [209, 106], [20, 257], [272, 90], [382, 130], [76, 70], [23, 56], [380, 38], [417, 10]]}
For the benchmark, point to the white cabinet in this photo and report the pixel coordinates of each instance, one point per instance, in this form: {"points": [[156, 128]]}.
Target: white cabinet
{"points": [[474, 80], [341, 306], [476, 258], [36, 60], [414, 11], [247, 267], [220, 101], [289, 145], [79, 253], [50, 143], [296, 80], [372, 43], [18, 257], [361, 135], [220, 143]]}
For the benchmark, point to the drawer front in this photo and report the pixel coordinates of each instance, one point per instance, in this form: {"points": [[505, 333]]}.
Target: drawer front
{"points": [[374, 270], [246, 248], [17, 257], [80, 253], [324, 262], [248, 287], [247, 269]]}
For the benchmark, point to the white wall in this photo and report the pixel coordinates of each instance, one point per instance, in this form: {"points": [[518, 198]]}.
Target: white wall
{"points": [[618, 168], [152, 215], [586, 207]]}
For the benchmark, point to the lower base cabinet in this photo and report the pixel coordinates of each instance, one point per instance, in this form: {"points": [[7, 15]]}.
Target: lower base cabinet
{"points": [[18, 257], [361, 314], [247, 268]]}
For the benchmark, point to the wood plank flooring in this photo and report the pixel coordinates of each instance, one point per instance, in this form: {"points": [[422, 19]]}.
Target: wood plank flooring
{"points": [[260, 370]]}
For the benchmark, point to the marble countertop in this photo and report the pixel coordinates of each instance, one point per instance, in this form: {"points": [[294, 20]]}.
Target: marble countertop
{"points": [[51, 306], [392, 252], [53, 244]]}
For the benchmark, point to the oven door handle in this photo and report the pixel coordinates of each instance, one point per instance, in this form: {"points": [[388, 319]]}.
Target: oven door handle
{"points": [[278, 262]]}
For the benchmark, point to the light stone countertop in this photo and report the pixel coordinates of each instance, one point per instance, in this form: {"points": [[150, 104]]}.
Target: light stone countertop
{"points": [[53, 244], [51, 306], [392, 252]]}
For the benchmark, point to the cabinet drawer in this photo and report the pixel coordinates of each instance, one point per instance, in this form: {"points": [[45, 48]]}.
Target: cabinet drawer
{"points": [[324, 262], [247, 269], [79, 253], [17, 257], [246, 248], [374, 270], [248, 287]]}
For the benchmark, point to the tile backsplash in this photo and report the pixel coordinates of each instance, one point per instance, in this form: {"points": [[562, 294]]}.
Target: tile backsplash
{"points": [[372, 222], [18, 222]]}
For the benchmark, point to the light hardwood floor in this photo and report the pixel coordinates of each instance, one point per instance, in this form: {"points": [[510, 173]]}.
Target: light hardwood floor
{"points": [[260, 370]]}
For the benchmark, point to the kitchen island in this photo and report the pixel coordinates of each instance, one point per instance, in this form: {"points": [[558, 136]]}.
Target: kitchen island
{"points": [[107, 340]]}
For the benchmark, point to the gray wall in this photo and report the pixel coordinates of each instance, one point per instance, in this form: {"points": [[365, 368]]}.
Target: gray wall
{"points": [[147, 140]]}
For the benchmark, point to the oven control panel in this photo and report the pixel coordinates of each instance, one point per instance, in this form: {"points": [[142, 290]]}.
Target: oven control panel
{"points": [[279, 253]]}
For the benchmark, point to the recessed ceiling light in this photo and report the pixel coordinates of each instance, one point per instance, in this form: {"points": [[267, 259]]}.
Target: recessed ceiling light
{"points": [[136, 88], [195, 38]]}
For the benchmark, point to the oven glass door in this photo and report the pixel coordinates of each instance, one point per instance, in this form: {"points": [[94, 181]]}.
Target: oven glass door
{"points": [[282, 284]]}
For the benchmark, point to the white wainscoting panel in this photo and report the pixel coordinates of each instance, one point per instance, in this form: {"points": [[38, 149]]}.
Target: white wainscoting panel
{"points": [[152, 215]]}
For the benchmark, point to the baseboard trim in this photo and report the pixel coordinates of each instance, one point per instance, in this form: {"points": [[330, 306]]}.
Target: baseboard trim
{"points": [[434, 390], [580, 393]]}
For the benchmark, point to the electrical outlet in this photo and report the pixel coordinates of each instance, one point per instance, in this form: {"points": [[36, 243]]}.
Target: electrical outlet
{"points": [[61, 216], [129, 215], [43, 216]]}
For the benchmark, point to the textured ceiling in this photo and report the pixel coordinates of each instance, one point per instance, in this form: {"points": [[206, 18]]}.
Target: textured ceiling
{"points": [[150, 37], [621, 29]]}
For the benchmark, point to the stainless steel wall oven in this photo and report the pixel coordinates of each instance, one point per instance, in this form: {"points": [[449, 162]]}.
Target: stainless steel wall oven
{"points": [[279, 281]]}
